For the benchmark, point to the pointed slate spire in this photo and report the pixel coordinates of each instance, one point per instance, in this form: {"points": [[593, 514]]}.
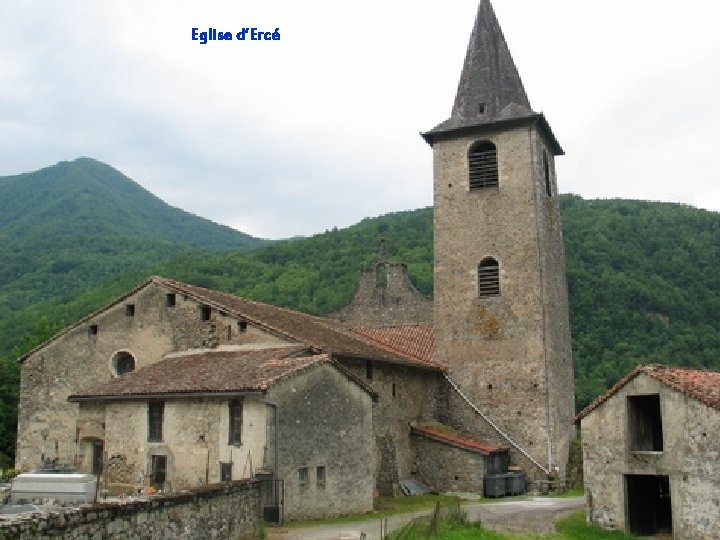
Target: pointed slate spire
{"points": [[490, 89]]}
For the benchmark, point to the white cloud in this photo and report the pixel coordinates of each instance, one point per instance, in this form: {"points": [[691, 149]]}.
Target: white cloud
{"points": [[321, 128]]}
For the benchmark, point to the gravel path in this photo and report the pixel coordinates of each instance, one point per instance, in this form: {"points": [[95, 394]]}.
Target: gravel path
{"points": [[529, 515]]}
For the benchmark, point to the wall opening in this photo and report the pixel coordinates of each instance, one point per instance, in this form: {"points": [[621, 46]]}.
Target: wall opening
{"points": [[130, 310], [170, 300], [649, 508], [488, 273], [205, 312], [98, 457], [546, 174], [483, 165], [645, 423], [225, 472], [122, 362], [158, 474], [235, 413], [156, 410], [368, 369]]}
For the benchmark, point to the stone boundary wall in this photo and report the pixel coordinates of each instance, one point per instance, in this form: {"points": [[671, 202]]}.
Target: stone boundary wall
{"points": [[220, 511]]}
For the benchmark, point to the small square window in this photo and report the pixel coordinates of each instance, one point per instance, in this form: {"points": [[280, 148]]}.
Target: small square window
{"points": [[320, 477], [205, 312], [93, 330], [170, 300], [130, 310], [242, 326]]}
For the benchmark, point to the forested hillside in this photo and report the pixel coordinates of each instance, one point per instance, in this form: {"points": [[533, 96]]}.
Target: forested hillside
{"points": [[642, 276]]}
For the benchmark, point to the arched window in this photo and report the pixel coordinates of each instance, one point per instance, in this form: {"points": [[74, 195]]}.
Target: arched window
{"points": [[546, 172], [488, 277], [123, 362], [483, 165]]}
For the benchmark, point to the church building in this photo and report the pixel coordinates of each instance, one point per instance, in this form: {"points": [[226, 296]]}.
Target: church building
{"points": [[173, 385]]}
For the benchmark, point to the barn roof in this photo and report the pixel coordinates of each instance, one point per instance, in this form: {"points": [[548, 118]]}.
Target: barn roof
{"points": [[702, 385]]}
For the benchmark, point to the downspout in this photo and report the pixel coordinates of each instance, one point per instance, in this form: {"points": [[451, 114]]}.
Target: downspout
{"points": [[548, 420]]}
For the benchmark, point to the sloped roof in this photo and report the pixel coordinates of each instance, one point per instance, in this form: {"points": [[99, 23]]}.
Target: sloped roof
{"points": [[213, 372], [490, 90], [326, 335], [414, 340], [704, 386], [447, 435]]}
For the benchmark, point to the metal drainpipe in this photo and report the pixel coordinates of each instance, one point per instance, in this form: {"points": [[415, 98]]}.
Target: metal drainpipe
{"points": [[276, 472]]}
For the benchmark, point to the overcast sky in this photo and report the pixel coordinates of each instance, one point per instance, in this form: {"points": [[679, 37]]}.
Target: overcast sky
{"points": [[320, 128]]}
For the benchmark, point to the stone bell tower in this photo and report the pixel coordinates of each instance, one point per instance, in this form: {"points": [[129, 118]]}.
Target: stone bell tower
{"points": [[501, 303]]}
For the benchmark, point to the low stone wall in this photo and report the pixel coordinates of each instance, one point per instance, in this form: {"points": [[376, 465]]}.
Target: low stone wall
{"points": [[222, 511]]}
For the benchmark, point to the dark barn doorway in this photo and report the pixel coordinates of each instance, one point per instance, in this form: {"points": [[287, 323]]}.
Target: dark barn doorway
{"points": [[649, 509]]}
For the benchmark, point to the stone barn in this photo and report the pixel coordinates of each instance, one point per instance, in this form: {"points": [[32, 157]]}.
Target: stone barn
{"points": [[651, 446]]}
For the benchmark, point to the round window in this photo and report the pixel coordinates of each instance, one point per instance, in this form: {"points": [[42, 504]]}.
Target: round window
{"points": [[123, 362]]}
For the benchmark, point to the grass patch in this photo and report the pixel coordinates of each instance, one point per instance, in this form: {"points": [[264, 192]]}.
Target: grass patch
{"points": [[387, 506], [573, 527]]}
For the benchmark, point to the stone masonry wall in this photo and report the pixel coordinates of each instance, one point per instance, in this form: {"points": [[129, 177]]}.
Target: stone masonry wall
{"points": [[325, 444], [691, 439], [447, 468], [220, 512], [412, 400], [509, 353], [80, 360], [392, 300]]}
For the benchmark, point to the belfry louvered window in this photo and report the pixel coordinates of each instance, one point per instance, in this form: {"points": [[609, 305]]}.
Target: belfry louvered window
{"points": [[483, 165], [488, 277]]}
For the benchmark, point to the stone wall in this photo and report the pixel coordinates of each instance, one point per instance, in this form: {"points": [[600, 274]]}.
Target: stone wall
{"points": [[82, 359], [228, 511], [404, 395], [325, 444], [385, 296], [449, 468], [509, 353], [691, 438]]}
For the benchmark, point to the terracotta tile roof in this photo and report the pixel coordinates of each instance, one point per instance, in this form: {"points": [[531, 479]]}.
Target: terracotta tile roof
{"points": [[327, 335], [704, 386], [416, 340], [213, 372], [445, 434]]}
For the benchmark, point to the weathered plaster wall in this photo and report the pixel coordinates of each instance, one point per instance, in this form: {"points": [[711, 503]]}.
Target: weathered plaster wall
{"points": [[224, 512], [195, 441], [79, 361], [413, 399], [510, 353], [394, 301], [324, 420], [691, 445]]}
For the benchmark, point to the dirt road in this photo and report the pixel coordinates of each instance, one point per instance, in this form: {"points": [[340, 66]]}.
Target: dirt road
{"points": [[530, 515]]}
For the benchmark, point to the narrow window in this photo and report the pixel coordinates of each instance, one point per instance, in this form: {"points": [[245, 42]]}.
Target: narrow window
{"points": [[303, 478], [483, 165], [235, 410], [205, 313], [93, 330], [481, 108], [130, 310], [394, 391], [242, 326], [158, 475], [546, 173], [645, 423], [320, 477], [368, 369], [170, 300], [225, 472], [488, 277], [156, 410]]}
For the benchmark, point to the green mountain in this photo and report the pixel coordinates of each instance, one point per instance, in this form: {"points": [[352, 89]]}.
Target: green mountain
{"points": [[76, 224], [642, 276]]}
